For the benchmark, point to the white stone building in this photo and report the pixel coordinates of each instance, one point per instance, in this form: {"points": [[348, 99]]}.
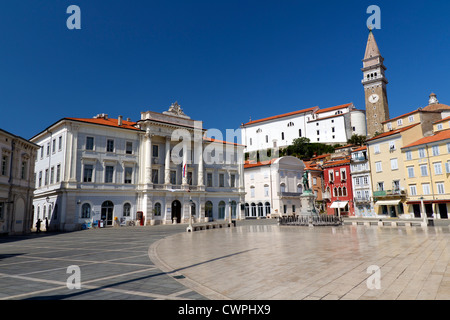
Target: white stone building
{"points": [[361, 182], [157, 170], [333, 125], [273, 187], [16, 183]]}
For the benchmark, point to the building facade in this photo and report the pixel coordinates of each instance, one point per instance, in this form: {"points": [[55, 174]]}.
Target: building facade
{"points": [[16, 183], [158, 170], [338, 185], [361, 182], [427, 166], [332, 126], [273, 187]]}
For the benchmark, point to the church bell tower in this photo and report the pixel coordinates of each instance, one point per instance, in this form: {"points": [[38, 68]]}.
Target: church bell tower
{"points": [[374, 83]]}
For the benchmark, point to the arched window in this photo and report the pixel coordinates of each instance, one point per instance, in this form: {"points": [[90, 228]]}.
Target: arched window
{"points": [[299, 188], [260, 210], [253, 210], [127, 210], [86, 211], [157, 209], [290, 124], [193, 209], [208, 209], [344, 191], [221, 210], [267, 205], [282, 187], [233, 209], [335, 192], [340, 191], [247, 210]]}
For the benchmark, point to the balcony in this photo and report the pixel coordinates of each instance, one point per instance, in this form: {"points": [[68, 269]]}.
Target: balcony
{"points": [[389, 193], [326, 196], [289, 194]]}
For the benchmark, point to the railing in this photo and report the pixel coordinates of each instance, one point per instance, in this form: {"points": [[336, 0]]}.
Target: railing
{"points": [[395, 192], [321, 220], [290, 194]]}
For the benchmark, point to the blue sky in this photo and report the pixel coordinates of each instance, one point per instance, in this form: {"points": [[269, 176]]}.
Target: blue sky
{"points": [[223, 61]]}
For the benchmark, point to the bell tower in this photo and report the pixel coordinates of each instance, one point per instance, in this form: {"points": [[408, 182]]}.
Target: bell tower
{"points": [[374, 83]]}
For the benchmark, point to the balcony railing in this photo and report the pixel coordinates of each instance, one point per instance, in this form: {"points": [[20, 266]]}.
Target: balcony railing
{"points": [[289, 194], [387, 193]]}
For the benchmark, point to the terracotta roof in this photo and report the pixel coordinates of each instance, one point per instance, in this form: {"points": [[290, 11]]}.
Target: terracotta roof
{"points": [[251, 164], [281, 116], [360, 149], [321, 157], [220, 141], [442, 120], [438, 136], [436, 107], [108, 122], [336, 163], [334, 108], [389, 133], [408, 114]]}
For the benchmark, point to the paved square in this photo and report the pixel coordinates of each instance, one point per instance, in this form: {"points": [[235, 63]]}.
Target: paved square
{"points": [[256, 260], [270, 262]]}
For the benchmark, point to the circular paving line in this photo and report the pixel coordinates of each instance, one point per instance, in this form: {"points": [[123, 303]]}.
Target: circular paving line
{"points": [[178, 276]]}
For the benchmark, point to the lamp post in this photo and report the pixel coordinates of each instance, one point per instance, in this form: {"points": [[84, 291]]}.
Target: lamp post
{"points": [[424, 214], [191, 205]]}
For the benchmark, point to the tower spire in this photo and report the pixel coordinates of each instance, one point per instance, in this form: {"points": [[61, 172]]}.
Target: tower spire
{"points": [[372, 47]]}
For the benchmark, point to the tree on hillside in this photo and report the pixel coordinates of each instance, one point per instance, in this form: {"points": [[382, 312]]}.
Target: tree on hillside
{"points": [[357, 140]]}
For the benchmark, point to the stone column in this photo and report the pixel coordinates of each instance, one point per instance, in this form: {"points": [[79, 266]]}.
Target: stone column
{"points": [[184, 168], [74, 145], [148, 158], [199, 162], [167, 162]]}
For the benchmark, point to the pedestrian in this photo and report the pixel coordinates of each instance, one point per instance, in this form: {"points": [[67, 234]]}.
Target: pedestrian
{"points": [[38, 225], [46, 224]]}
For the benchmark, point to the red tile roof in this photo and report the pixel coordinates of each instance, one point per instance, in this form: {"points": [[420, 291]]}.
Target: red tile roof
{"points": [[360, 149], [108, 122], [442, 120], [336, 163], [281, 116], [408, 114], [220, 141], [389, 133], [334, 108], [438, 136], [251, 164]]}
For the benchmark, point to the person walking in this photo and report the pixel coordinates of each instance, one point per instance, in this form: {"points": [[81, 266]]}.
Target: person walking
{"points": [[38, 226]]}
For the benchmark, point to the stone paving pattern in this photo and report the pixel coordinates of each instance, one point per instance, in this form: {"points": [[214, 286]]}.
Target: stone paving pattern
{"points": [[256, 260]]}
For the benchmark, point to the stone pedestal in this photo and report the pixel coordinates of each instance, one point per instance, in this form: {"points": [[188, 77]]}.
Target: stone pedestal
{"points": [[307, 200]]}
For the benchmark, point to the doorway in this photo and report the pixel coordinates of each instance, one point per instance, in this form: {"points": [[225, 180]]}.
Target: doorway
{"points": [[176, 210], [416, 209], [108, 212], [443, 210]]}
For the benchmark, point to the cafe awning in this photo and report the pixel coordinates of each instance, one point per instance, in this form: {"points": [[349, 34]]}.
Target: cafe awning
{"points": [[388, 203], [339, 204]]}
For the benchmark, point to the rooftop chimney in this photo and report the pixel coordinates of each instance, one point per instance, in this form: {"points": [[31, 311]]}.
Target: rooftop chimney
{"points": [[119, 121]]}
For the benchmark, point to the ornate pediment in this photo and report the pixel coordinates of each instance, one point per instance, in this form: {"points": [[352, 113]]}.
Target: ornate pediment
{"points": [[176, 110]]}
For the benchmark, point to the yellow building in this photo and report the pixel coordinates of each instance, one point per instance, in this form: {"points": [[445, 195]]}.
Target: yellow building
{"points": [[387, 171], [427, 166]]}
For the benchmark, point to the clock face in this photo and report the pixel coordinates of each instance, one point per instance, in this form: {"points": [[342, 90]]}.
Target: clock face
{"points": [[374, 98]]}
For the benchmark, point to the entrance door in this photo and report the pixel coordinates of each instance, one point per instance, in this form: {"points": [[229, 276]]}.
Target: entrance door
{"points": [[176, 210], [443, 210], [429, 210], [416, 209], [108, 212]]}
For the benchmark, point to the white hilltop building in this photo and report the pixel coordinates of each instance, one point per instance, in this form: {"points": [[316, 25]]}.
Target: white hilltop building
{"points": [[333, 125], [158, 170]]}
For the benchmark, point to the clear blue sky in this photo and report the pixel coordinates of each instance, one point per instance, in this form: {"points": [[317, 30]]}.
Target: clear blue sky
{"points": [[223, 61]]}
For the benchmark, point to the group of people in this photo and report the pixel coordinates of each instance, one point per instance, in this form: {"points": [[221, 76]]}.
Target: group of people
{"points": [[38, 225]]}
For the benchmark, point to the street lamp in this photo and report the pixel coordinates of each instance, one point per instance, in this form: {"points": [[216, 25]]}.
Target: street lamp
{"points": [[191, 205], [424, 214]]}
